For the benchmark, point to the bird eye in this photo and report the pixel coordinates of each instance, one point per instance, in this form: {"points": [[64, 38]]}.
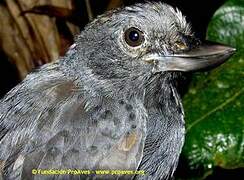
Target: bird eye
{"points": [[134, 37]]}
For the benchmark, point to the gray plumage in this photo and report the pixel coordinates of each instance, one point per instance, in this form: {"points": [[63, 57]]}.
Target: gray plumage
{"points": [[101, 106]]}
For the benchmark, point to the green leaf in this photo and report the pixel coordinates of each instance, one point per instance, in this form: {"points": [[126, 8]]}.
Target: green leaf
{"points": [[214, 105]]}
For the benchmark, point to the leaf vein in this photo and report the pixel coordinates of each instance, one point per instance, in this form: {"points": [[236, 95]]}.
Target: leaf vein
{"points": [[215, 109]]}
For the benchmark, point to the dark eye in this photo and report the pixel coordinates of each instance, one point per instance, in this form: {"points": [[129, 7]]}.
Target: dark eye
{"points": [[134, 37]]}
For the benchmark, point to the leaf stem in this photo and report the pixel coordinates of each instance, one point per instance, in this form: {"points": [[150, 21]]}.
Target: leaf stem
{"points": [[89, 10]]}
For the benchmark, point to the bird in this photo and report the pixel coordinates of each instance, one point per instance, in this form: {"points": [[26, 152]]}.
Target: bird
{"points": [[111, 102]]}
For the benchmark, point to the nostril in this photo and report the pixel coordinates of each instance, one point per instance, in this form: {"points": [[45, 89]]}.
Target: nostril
{"points": [[191, 41]]}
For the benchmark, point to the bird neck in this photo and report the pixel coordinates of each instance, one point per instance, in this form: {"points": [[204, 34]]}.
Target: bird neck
{"points": [[165, 130]]}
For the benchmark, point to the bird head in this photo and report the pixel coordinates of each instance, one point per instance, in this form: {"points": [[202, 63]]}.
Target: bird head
{"points": [[143, 40]]}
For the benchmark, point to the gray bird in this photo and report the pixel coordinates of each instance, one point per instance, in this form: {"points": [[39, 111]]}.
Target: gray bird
{"points": [[111, 103]]}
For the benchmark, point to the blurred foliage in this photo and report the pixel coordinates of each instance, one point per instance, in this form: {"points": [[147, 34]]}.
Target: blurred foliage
{"points": [[30, 40], [214, 104]]}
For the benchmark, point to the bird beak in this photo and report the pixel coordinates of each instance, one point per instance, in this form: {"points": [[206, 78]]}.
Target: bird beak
{"points": [[206, 56]]}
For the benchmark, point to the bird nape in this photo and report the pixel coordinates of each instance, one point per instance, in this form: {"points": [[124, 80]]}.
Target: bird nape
{"points": [[110, 103]]}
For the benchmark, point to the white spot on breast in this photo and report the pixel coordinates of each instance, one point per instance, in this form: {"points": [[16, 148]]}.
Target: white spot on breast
{"points": [[18, 162]]}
